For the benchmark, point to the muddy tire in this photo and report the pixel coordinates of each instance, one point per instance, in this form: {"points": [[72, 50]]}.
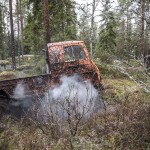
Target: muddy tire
{"points": [[4, 102]]}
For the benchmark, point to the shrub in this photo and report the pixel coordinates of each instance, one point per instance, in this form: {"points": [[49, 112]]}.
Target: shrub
{"points": [[4, 62], [7, 75]]}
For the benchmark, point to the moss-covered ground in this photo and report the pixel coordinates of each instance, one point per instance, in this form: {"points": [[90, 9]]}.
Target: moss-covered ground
{"points": [[123, 124]]}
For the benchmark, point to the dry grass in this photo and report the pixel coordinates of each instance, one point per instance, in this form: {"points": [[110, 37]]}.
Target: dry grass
{"points": [[122, 125], [126, 127], [4, 62], [5, 75]]}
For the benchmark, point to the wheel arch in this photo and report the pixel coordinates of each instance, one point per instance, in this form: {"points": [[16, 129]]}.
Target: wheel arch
{"points": [[4, 94]]}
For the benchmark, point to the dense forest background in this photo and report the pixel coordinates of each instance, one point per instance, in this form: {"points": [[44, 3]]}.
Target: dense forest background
{"points": [[118, 29], [117, 35]]}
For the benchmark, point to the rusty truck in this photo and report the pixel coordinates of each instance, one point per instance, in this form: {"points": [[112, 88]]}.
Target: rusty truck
{"points": [[62, 58]]}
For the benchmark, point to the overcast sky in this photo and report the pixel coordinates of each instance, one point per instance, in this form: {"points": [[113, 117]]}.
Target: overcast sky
{"points": [[98, 9], [84, 2]]}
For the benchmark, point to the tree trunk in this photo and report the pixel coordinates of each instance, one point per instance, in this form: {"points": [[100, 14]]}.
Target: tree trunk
{"points": [[12, 36], [47, 32], [1, 34], [129, 31], [22, 34], [91, 32], [46, 22], [142, 30], [147, 49], [18, 26]]}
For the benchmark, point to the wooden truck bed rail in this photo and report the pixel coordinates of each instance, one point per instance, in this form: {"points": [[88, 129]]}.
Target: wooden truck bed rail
{"points": [[32, 84]]}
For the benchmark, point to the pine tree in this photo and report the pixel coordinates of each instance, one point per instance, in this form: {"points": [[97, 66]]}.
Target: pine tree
{"points": [[125, 31], [12, 36], [62, 23], [18, 30], [107, 34], [46, 22], [84, 30], [1, 35], [21, 29]]}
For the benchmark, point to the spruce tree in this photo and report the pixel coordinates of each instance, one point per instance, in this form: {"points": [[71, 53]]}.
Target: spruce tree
{"points": [[62, 19], [107, 34]]}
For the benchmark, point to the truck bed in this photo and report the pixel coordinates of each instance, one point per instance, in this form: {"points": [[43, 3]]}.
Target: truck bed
{"points": [[33, 84]]}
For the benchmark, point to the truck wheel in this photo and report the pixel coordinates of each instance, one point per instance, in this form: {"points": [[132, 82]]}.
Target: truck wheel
{"points": [[4, 102]]}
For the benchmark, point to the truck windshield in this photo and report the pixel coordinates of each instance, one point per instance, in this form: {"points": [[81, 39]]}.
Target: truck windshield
{"points": [[73, 53]]}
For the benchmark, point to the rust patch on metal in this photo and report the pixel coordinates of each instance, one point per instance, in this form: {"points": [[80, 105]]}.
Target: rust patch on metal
{"points": [[34, 84], [71, 57], [65, 58]]}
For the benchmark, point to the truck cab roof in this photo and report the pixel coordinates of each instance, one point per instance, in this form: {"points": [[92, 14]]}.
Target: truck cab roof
{"points": [[65, 43]]}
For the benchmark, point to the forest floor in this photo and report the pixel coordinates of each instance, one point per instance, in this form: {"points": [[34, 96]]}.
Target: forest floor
{"points": [[123, 124]]}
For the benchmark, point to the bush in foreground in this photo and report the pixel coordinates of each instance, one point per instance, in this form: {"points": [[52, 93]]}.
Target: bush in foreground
{"points": [[123, 125]]}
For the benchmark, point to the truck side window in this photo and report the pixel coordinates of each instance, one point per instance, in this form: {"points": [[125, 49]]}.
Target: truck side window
{"points": [[73, 53]]}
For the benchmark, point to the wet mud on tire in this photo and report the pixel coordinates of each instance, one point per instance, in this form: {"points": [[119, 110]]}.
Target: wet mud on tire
{"points": [[4, 104]]}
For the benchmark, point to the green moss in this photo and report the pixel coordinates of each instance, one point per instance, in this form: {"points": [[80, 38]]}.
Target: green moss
{"points": [[107, 71], [25, 67], [117, 89], [5, 75], [4, 62]]}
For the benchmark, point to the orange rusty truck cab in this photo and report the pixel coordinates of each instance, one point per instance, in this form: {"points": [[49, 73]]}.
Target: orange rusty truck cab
{"points": [[63, 58], [71, 57]]}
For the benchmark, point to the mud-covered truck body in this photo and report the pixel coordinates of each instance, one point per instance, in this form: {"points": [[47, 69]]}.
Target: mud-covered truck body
{"points": [[67, 58], [63, 58]]}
